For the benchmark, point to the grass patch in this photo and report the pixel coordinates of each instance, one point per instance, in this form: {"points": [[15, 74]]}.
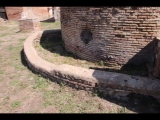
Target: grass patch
{"points": [[19, 67], [40, 83], [16, 104], [122, 110], [22, 39], [24, 31], [10, 47], [101, 63], [2, 28], [47, 103], [4, 34], [15, 82], [50, 25], [1, 72]]}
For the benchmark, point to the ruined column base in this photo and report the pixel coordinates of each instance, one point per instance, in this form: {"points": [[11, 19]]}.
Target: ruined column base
{"points": [[29, 24]]}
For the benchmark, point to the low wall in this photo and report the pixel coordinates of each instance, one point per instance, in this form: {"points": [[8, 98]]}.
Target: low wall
{"points": [[87, 79]]}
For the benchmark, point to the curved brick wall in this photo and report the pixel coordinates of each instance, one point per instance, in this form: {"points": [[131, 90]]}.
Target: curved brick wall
{"points": [[116, 35]]}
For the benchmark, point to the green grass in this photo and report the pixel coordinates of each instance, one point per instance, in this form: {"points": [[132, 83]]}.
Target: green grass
{"points": [[2, 28], [56, 55], [101, 63], [1, 72], [62, 84], [15, 82], [22, 39], [4, 34], [68, 102], [40, 83], [16, 104], [122, 110], [19, 67], [10, 47], [50, 25]]}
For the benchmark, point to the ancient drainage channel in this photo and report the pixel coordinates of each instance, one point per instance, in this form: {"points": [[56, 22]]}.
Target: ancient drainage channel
{"points": [[109, 83]]}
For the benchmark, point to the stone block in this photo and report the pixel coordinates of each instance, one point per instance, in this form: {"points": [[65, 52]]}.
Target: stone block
{"points": [[29, 24]]}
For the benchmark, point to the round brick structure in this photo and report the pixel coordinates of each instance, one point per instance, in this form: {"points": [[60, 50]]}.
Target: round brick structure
{"points": [[115, 35]]}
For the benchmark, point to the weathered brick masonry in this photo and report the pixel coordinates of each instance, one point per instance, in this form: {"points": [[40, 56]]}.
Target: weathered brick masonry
{"points": [[14, 13], [115, 35], [41, 13]]}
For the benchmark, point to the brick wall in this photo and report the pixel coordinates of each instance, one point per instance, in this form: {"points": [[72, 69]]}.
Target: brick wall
{"points": [[14, 13], [116, 35], [37, 12]]}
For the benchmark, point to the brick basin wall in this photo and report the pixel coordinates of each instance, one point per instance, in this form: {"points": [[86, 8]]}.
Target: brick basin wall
{"points": [[110, 83], [115, 35]]}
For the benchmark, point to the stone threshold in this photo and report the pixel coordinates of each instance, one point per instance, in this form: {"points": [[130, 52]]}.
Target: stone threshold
{"points": [[88, 79]]}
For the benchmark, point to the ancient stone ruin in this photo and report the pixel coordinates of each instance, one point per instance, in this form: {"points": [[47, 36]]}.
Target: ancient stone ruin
{"points": [[30, 17], [28, 24], [40, 13], [57, 13], [117, 36]]}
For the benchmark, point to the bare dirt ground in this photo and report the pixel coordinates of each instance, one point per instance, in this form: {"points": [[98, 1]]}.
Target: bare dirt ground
{"points": [[25, 92]]}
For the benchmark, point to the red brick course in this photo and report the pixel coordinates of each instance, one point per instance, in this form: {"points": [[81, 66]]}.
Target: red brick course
{"points": [[120, 35]]}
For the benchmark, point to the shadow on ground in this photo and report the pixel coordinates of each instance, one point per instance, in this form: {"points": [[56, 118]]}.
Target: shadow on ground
{"points": [[51, 40], [136, 102], [49, 20], [23, 60]]}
